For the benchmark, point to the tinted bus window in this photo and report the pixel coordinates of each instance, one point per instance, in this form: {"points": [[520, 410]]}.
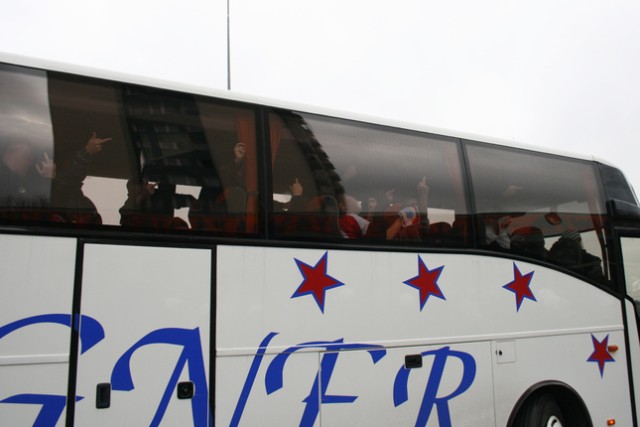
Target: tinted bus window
{"points": [[92, 153], [26, 134], [349, 180], [549, 208]]}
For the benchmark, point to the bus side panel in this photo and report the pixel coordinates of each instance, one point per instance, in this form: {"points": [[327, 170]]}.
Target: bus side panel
{"points": [[154, 306], [359, 311], [366, 333], [37, 275]]}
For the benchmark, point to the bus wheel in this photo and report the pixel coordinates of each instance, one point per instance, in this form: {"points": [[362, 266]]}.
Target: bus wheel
{"points": [[541, 411]]}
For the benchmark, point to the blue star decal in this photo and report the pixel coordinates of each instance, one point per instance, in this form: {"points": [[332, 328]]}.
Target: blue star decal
{"points": [[426, 282], [520, 286], [316, 281], [600, 353]]}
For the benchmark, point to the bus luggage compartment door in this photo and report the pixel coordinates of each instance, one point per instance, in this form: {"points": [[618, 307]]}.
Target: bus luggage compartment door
{"points": [[36, 288], [152, 366]]}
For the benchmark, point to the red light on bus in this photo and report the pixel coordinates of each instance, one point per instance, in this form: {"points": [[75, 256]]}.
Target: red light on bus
{"points": [[612, 349], [611, 422]]}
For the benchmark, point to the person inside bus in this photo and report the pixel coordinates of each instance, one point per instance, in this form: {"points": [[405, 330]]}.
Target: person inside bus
{"points": [[352, 224], [153, 205], [569, 252], [32, 183], [297, 203], [164, 200], [287, 205], [496, 227], [67, 192], [529, 241], [497, 233], [25, 181], [354, 182], [136, 208], [317, 215], [234, 170], [409, 220], [229, 196]]}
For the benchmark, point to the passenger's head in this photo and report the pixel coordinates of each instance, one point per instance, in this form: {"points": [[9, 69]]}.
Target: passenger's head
{"points": [[239, 151], [528, 241], [19, 158], [135, 185], [572, 235], [351, 205], [567, 250]]}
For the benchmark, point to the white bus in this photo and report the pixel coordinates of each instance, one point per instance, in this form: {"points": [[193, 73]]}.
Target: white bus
{"points": [[174, 256]]}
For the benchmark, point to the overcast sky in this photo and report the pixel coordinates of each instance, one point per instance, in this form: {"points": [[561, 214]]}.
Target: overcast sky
{"points": [[557, 74]]}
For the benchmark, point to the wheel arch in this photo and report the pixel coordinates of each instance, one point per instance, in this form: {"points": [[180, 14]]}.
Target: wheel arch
{"points": [[564, 394]]}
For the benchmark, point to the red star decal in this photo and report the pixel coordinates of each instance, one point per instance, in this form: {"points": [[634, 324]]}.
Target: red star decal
{"points": [[600, 353], [520, 286], [426, 282], [316, 281]]}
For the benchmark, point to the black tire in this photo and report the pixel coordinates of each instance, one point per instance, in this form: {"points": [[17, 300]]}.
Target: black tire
{"points": [[541, 411]]}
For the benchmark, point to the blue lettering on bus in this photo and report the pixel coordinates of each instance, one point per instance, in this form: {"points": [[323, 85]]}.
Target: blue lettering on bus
{"points": [[191, 355], [251, 377], [191, 358], [274, 379], [430, 398], [91, 333], [317, 395], [52, 406]]}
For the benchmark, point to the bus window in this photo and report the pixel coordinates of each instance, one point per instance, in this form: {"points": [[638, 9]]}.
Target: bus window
{"points": [[26, 142], [539, 206], [350, 180], [106, 153], [305, 184]]}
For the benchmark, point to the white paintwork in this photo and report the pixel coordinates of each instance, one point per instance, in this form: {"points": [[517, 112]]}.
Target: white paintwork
{"points": [[547, 339], [36, 279], [134, 291]]}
